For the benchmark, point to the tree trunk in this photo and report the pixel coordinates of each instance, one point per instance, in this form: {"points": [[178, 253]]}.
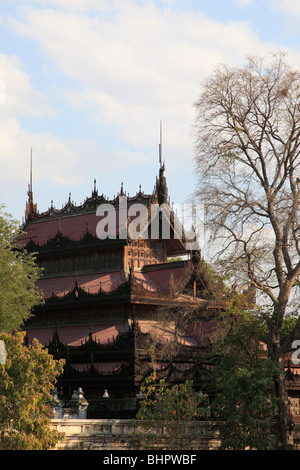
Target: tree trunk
{"points": [[284, 424]]}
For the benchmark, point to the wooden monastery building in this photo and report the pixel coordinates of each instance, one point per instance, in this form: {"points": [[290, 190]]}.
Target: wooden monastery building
{"points": [[104, 290], [103, 293]]}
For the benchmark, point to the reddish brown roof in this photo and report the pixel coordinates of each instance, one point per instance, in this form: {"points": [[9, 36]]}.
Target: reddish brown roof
{"points": [[77, 335], [159, 278], [91, 283], [74, 227]]}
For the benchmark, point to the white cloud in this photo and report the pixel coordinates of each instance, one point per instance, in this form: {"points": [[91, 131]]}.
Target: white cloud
{"points": [[138, 64], [288, 7], [243, 3], [54, 155], [56, 160], [20, 96], [76, 5], [130, 65]]}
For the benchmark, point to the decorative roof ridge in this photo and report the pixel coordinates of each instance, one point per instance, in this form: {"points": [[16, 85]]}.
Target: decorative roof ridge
{"points": [[64, 242], [130, 286], [90, 343], [80, 293], [89, 205]]}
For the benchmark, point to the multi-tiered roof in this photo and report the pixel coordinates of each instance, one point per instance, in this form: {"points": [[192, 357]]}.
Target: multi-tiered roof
{"points": [[102, 293]]}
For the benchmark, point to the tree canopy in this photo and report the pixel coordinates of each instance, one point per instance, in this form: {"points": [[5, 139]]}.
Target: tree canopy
{"points": [[26, 380], [18, 275], [27, 373], [242, 379], [248, 162], [162, 408]]}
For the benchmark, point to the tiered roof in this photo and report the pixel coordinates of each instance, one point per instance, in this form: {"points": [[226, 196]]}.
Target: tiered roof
{"points": [[73, 227], [99, 314]]}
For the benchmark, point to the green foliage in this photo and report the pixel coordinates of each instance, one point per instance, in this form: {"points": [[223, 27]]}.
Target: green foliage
{"points": [[247, 407], [243, 378], [173, 259], [213, 284], [289, 324], [163, 409], [26, 381], [169, 404], [18, 275]]}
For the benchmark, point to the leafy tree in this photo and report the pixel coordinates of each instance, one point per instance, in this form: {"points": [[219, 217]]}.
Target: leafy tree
{"points": [[26, 380], [18, 274], [163, 408], [243, 382], [248, 162]]}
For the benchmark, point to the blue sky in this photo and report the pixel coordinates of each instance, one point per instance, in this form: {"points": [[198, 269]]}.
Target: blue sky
{"points": [[86, 83]]}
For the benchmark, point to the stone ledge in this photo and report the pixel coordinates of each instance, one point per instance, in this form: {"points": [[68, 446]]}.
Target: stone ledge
{"points": [[114, 434]]}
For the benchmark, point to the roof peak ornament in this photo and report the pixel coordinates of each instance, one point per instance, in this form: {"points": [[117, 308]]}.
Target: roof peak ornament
{"points": [[159, 195], [31, 208], [161, 189], [95, 191], [160, 144]]}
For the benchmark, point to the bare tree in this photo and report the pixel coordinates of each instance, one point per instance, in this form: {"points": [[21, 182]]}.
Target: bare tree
{"points": [[247, 158]]}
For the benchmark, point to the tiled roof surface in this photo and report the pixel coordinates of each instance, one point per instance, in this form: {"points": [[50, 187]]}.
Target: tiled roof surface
{"points": [[77, 335]]}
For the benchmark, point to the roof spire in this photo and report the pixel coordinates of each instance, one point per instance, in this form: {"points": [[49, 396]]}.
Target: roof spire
{"points": [[30, 187], [30, 211], [161, 190], [160, 144]]}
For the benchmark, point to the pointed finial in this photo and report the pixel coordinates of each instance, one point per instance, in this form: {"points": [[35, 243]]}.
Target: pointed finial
{"points": [[31, 208], [95, 192], [31, 170], [160, 144]]}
